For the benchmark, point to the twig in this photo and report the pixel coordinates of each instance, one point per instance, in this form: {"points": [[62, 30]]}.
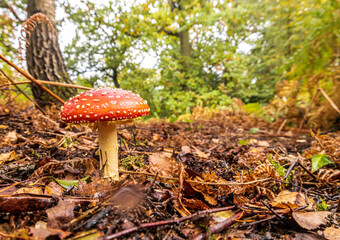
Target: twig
{"points": [[281, 126], [200, 182], [291, 168], [309, 172], [219, 227], [329, 100], [29, 77], [262, 220], [270, 209], [55, 84], [23, 93], [165, 222]]}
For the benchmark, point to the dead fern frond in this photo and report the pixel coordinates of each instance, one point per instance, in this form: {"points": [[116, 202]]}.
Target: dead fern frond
{"points": [[329, 175], [27, 27]]}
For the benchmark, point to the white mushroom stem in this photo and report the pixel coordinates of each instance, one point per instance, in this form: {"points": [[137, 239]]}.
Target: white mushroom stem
{"points": [[108, 149]]}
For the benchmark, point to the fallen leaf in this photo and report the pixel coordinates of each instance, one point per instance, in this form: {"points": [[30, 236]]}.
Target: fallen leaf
{"points": [[163, 163], [54, 188], [201, 154], [194, 204], [10, 137], [287, 199], [263, 143], [98, 188], [221, 216], [332, 233], [40, 232], [18, 203], [60, 214], [186, 149], [311, 220], [32, 190], [320, 160], [6, 157]]}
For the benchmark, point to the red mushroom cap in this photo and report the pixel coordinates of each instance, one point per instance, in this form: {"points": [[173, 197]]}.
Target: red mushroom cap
{"points": [[104, 104]]}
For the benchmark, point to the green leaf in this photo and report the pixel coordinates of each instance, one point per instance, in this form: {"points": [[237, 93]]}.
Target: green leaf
{"points": [[322, 206], [253, 130], [320, 160], [67, 183], [243, 142]]}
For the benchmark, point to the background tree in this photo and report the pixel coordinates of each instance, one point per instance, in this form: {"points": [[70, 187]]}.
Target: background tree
{"points": [[44, 58]]}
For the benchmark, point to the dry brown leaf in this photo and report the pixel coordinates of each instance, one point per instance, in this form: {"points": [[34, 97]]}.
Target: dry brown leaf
{"points": [[98, 188], [32, 190], [332, 233], [194, 204], [201, 154], [6, 157], [60, 214], [311, 220], [286, 199], [41, 232], [186, 149], [263, 143], [91, 166], [10, 137], [53, 188], [163, 163]]}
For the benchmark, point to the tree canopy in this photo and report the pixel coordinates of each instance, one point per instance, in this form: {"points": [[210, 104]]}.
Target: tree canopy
{"points": [[205, 52]]}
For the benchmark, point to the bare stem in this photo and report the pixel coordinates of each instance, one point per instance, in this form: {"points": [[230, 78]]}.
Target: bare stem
{"points": [[108, 149]]}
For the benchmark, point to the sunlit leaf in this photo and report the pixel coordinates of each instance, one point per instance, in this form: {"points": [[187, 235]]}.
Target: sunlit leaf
{"points": [[253, 130], [320, 160], [67, 183]]}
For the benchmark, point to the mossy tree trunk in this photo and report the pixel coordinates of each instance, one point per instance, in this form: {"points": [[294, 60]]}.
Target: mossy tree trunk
{"points": [[44, 59]]}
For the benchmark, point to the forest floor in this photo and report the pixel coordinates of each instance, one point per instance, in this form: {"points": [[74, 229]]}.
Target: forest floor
{"points": [[216, 175]]}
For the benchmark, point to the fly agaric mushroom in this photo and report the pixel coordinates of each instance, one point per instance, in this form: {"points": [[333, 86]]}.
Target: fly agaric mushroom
{"points": [[105, 108]]}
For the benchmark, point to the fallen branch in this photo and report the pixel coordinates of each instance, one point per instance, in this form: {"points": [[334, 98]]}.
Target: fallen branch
{"points": [[23, 93], [53, 83], [32, 79], [165, 222]]}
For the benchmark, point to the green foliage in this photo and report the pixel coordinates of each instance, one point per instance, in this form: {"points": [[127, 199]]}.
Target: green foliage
{"points": [[278, 167], [253, 130], [132, 161], [68, 183], [322, 206], [320, 160], [243, 142], [240, 49]]}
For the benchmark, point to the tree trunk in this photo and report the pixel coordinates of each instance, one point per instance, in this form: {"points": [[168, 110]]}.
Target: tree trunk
{"points": [[185, 43], [44, 59]]}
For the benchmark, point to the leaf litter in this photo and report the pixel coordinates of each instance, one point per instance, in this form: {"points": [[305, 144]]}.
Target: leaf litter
{"points": [[222, 174]]}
